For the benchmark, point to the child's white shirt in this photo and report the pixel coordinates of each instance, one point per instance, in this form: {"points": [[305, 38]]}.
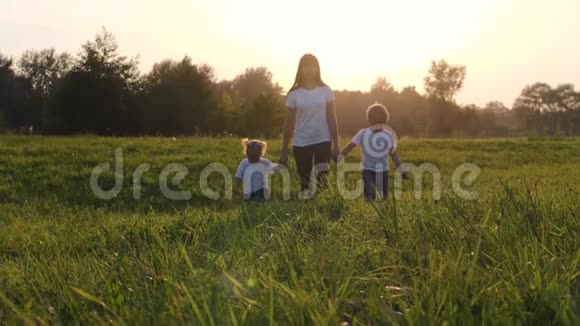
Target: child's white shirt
{"points": [[376, 147], [255, 175]]}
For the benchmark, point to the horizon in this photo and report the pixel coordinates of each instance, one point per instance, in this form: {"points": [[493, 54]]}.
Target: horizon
{"points": [[503, 46]]}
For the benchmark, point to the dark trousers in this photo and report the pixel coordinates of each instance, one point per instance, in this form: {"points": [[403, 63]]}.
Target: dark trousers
{"points": [[258, 195], [305, 155], [374, 182]]}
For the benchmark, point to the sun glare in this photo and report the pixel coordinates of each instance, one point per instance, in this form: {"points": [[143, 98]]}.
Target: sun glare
{"points": [[360, 39]]}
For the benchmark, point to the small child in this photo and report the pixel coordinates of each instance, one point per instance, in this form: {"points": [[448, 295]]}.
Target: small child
{"points": [[254, 170], [377, 144]]}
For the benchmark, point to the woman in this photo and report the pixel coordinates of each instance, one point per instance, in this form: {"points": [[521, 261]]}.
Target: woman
{"points": [[311, 115]]}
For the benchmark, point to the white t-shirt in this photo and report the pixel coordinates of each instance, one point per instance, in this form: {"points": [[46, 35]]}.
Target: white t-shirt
{"points": [[376, 147], [310, 105], [254, 175]]}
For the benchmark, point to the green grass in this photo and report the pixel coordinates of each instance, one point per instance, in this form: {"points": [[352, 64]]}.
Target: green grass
{"points": [[66, 257]]}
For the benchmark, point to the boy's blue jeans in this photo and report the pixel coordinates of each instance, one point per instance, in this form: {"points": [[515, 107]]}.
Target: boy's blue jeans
{"points": [[258, 195], [374, 182]]}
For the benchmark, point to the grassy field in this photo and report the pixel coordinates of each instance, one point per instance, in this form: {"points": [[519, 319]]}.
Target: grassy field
{"points": [[67, 257]]}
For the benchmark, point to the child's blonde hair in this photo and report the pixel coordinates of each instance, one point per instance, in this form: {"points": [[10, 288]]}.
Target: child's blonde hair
{"points": [[254, 149]]}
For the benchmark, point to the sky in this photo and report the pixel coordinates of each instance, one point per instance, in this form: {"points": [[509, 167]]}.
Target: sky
{"points": [[505, 44]]}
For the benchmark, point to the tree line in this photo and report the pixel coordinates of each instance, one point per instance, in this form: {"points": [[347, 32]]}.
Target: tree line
{"points": [[100, 91]]}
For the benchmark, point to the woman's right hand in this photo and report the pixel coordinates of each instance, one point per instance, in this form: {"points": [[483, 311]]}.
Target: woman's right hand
{"points": [[289, 123], [283, 158]]}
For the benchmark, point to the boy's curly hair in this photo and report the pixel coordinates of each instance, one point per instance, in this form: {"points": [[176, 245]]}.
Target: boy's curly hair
{"points": [[378, 114], [254, 149]]}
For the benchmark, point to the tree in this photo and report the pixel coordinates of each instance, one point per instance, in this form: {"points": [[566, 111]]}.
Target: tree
{"points": [[3, 122], [441, 85], [180, 99], [569, 108], [5, 63], [350, 110], [263, 117], [44, 68], [16, 106], [7, 87], [255, 81], [444, 80], [488, 121], [496, 106], [470, 116], [444, 118], [533, 106], [97, 94], [410, 91], [231, 116], [382, 88], [101, 57], [413, 112], [255, 88]]}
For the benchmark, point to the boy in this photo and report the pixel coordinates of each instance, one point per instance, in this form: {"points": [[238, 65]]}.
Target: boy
{"points": [[377, 144]]}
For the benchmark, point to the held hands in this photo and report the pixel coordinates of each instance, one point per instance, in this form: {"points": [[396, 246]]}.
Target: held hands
{"points": [[335, 154], [283, 158]]}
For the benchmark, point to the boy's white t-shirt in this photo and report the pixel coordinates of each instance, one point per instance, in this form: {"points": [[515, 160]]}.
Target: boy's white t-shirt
{"points": [[376, 147], [254, 175], [310, 105]]}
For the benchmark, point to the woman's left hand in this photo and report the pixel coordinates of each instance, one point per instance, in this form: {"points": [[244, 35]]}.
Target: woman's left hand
{"points": [[335, 151]]}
